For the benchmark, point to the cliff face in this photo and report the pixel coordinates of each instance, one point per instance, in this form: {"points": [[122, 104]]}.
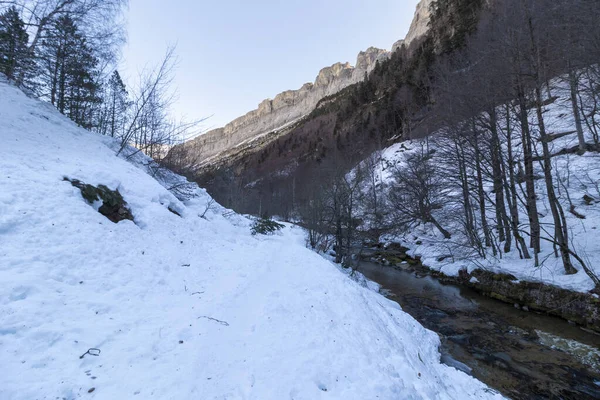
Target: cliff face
{"points": [[291, 105], [420, 22], [287, 106]]}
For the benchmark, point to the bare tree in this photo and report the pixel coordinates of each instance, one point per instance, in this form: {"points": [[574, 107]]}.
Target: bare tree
{"points": [[588, 100], [313, 214], [149, 127], [418, 193], [342, 192], [373, 201], [561, 233], [150, 97], [98, 16]]}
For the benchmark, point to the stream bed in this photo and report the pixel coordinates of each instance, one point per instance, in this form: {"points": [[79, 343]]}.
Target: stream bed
{"points": [[523, 355]]}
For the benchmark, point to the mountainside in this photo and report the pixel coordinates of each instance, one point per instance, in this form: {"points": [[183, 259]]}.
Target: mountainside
{"points": [[286, 107], [274, 171], [290, 106], [181, 301]]}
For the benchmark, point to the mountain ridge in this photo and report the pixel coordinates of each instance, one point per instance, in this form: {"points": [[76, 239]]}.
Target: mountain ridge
{"points": [[288, 105], [291, 105]]}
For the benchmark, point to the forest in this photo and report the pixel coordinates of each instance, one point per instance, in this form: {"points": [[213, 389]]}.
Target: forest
{"points": [[479, 83], [478, 88], [67, 53]]}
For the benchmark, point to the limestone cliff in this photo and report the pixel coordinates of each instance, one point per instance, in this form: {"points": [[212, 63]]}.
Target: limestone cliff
{"points": [[291, 105], [287, 106], [420, 22]]}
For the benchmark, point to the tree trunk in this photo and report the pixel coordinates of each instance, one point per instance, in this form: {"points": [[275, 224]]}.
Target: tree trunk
{"points": [[576, 113], [532, 212], [443, 231], [511, 188], [496, 159], [481, 191]]}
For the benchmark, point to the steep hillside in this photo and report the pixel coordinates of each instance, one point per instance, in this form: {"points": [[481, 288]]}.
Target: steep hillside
{"points": [[275, 115], [578, 176], [285, 108], [181, 302], [273, 172]]}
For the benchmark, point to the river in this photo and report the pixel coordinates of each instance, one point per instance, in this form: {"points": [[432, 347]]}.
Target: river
{"points": [[523, 355]]}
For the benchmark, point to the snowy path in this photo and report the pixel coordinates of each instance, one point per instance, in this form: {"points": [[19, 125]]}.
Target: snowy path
{"points": [[181, 308]]}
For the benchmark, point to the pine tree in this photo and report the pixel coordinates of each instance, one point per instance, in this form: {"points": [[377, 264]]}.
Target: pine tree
{"points": [[83, 98], [55, 52], [68, 72], [115, 108], [14, 58]]}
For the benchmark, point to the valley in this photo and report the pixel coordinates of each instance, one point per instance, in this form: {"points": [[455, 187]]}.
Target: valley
{"points": [[522, 354], [415, 223]]}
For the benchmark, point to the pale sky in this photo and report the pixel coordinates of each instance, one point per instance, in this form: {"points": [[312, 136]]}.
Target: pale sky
{"points": [[235, 53]]}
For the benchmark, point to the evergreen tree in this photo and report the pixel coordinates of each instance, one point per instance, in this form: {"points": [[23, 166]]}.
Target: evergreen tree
{"points": [[116, 104], [14, 58], [68, 72], [83, 98]]}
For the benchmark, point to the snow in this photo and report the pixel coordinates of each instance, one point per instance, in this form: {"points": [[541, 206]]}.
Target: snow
{"points": [[274, 130], [179, 307], [580, 176], [250, 142]]}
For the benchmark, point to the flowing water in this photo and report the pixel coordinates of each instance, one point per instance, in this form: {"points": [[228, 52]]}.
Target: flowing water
{"points": [[523, 355]]}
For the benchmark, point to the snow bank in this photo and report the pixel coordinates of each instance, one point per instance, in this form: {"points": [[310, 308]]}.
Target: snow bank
{"points": [[580, 175], [179, 307]]}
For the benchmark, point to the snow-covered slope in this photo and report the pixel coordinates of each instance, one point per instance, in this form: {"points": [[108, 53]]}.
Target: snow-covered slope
{"points": [[579, 176], [179, 307]]}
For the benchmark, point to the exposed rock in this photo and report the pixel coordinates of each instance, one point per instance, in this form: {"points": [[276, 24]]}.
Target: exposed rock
{"points": [[589, 200], [397, 45], [112, 206], [582, 308], [420, 21], [289, 106]]}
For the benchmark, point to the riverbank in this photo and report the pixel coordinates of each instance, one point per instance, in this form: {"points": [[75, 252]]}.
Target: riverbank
{"points": [[183, 302], [524, 355], [576, 307]]}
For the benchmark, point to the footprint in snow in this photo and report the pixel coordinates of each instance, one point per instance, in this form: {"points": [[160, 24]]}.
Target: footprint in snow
{"points": [[20, 293]]}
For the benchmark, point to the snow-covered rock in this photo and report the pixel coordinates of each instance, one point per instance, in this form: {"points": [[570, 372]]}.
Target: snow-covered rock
{"points": [[178, 307]]}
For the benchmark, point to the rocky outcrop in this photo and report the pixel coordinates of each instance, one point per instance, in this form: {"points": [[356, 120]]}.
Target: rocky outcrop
{"points": [[419, 25], [420, 22], [291, 105], [287, 106], [581, 308], [109, 203]]}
